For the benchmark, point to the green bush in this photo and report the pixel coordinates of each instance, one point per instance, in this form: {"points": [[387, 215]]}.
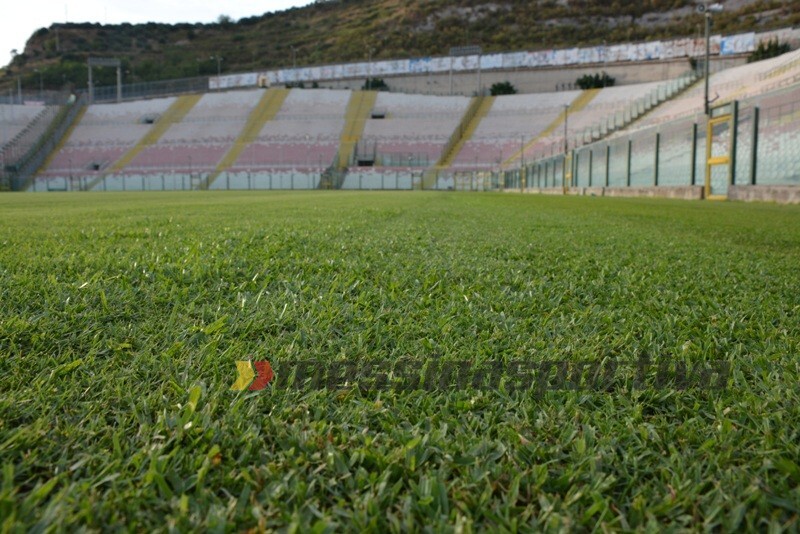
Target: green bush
{"points": [[503, 88], [375, 84], [768, 50], [595, 81]]}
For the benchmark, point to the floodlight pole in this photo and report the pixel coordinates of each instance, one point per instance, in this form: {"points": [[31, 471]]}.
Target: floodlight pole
{"points": [[103, 62], [451, 74], [471, 50], [219, 71], [41, 83], [566, 128], [480, 81], [294, 64], [708, 56], [707, 10], [369, 67]]}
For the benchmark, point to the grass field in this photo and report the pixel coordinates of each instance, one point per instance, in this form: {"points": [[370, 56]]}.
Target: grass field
{"points": [[123, 316]]}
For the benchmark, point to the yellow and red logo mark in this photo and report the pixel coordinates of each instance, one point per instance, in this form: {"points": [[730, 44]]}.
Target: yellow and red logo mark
{"points": [[248, 379]]}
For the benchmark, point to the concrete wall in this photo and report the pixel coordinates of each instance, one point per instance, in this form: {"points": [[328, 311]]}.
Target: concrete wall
{"points": [[674, 192], [782, 194], [541, 80], [677, 192]]}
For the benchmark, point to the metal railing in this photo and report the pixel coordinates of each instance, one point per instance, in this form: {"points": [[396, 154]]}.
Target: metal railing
{"points": [[26, 167], [763, 141]]}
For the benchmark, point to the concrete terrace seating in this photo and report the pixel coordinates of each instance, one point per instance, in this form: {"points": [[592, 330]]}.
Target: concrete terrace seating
{"points": [[608, 103], [316, 152], [414, 125], [735, 83], [83, 160], [307, 114], [117, 124], [216, 118], [104, 134], [512, 122], [304, 134], [126, 112], [199, 142], [14, 119], [175, 157], [784, 73]]}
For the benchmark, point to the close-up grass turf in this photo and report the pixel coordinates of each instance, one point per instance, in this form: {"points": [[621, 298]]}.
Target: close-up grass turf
{"points": [[123, 317]]}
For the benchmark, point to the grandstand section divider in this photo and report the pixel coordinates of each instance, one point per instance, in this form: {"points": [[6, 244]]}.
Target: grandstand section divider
{"points": [[358, 111], [478, 108]]}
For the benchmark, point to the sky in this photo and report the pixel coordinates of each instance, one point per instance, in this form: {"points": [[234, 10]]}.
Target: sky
{"points": [[19, 22]]}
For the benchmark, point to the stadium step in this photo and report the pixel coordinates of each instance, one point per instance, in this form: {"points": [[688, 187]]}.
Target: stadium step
{"points": [[268, 107], [577, 105], [358, 111], [478, 109]]}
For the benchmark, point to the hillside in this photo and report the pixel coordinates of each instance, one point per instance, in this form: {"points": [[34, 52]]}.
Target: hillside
{"points": [[344, 30]]}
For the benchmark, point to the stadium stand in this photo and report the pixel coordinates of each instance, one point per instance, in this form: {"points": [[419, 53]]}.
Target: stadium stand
{"points": [[512, 123], [412, 127], [14, 119], [303, 134], [294, 139], [609, 103], [21, 130], [734, 83], [103, 135], [199, 140]]}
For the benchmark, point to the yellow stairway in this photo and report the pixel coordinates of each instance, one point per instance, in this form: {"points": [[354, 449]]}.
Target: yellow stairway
{"points": [[576, 106], [358, 111], [270, 104], [482, 106], [478, 108]]}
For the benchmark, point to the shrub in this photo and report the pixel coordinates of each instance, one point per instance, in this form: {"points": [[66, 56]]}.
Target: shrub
{"points": [[768, 50], [375, 84], [503, 88], [596, 81]]}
